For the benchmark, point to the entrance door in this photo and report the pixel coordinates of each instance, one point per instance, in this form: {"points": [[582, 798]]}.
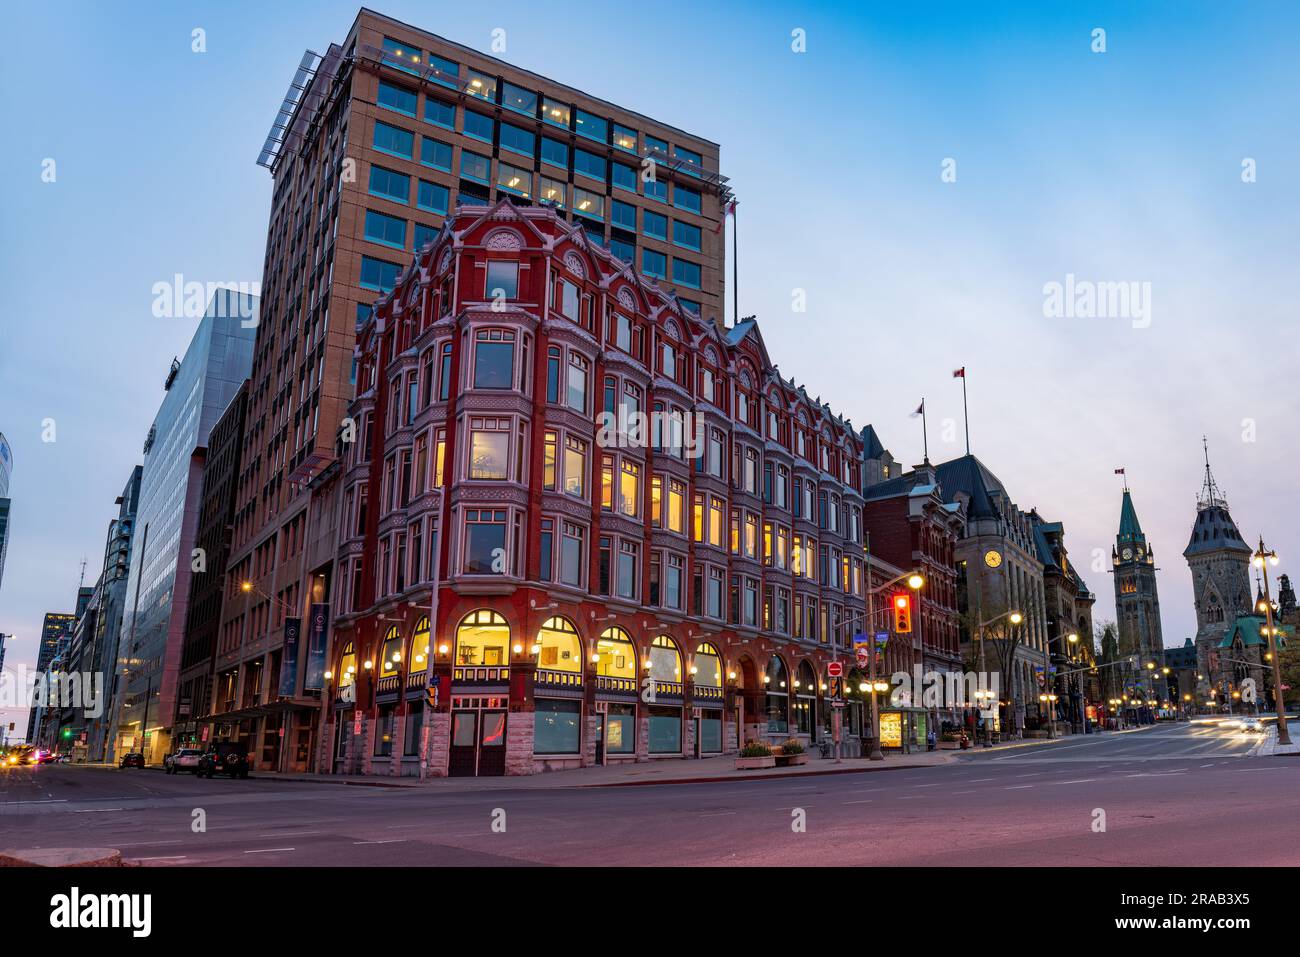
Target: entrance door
{"points": [[478, 743], [600, 740]]}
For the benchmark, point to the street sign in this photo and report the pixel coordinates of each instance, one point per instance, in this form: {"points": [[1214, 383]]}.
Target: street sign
{"points": [[835, 669]]}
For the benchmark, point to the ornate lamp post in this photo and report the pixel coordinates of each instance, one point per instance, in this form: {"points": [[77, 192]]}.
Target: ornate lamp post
{"points": [[1263, 558]]}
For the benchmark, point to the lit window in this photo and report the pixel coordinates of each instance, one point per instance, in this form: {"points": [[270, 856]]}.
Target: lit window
{"points": [[444, 71], [481, 85], [692, 162], [575, 467], [557, 114], [588, 203], [552, 192], [489, 452], [625, 138], [518, 99], [514, 180], [403, 56]]}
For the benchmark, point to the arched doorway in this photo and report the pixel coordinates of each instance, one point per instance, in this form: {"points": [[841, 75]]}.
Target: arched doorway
{"points": [[706, 675], [478, 723], [805, 700], [776, 679]]}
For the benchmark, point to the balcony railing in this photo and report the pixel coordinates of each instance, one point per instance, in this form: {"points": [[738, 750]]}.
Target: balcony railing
{"points": [[561, 679], [481, 674]]}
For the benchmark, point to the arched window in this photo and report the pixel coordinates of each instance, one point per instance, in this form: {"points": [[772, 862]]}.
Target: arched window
{"points": [[390, 657], [805, 689], [348, 665], [482, 638], [708, 667], [558, 646], [778, 696], [665, 660], [617, 656], [419, 654]]}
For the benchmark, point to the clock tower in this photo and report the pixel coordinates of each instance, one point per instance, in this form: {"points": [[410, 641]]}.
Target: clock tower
{"points": [[1137, 604]]}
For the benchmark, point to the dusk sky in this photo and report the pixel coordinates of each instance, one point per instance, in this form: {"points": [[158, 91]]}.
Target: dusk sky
{"points": [[1116, 166]]}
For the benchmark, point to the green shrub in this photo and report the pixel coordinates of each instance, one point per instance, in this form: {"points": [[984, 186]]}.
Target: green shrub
{"points": [[792, 746], [755, 749]]}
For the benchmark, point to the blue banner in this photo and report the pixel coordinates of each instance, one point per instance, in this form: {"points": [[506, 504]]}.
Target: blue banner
{"points": [[289, 662], [317, 634]]}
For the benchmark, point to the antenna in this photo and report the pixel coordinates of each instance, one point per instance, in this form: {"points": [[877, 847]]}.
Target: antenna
{"points": [[82, 580]]}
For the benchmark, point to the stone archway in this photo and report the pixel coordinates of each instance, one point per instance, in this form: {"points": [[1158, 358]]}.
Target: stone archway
{"points": [[751, 712]]}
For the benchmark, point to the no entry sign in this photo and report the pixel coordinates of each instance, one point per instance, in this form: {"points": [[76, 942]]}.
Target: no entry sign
{"points": [[835, 670]]}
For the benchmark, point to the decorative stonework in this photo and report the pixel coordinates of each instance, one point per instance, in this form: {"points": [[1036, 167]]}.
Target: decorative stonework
{"points": [[445, 262], [626, 299], [573, 262], [504, 240]]}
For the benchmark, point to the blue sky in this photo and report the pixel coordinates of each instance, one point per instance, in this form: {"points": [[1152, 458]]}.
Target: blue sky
{"points": [[1115, 166]]}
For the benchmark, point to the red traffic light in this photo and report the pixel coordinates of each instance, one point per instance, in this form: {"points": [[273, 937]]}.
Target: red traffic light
{"points": [[902, 613]]}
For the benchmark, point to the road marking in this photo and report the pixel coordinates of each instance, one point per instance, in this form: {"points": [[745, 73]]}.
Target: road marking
{"points": [[1031, 774], [144, 844], [1079, 781], [270, 850], [971, 791], [1017, 787], [925, 785], [978, 780], [94, 810], [716, 814], [863, 801], [172, 857], [1210, 765], [282, 834], [395, 840]]}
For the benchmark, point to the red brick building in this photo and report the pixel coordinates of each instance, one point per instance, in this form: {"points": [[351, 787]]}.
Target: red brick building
{"points": [[645, 542], [909, 525]]}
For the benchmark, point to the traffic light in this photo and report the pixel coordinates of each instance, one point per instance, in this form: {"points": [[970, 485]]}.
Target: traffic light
{"points": [[902, 613]]}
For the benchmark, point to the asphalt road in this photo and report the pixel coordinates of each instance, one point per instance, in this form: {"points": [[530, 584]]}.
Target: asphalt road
{"points": [[1175, 795]]}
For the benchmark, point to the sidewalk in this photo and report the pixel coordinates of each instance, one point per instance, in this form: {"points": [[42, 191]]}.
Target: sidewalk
{"points": [[1269, 748]]}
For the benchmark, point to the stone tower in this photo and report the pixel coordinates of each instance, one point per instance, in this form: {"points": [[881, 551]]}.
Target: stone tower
{"points": [[1137, 604], [1219, 560]]}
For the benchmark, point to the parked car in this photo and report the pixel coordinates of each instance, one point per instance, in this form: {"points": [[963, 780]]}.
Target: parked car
{"points": [[132, 759], [224, 757], [186, 759]]}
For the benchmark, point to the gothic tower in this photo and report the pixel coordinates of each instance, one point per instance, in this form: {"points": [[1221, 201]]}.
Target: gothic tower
{"points": [[1137, 604], [1219, 560]]}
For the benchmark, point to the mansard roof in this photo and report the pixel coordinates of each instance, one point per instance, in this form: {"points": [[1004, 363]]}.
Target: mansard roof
{"points": [[1214, 530], [969, 475]]}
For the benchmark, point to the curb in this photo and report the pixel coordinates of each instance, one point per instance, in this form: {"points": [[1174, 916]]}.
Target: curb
{"points": [[724, 779]]}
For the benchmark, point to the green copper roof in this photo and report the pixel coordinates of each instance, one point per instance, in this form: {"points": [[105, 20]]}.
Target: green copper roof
{"points": [[1250, 628], [1129, 529]]}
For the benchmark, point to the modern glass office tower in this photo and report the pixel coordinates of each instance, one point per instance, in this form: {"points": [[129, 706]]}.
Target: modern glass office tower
{"points": [[198, 389]]}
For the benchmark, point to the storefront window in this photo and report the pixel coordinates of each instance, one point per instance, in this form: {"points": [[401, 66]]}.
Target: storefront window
{"points": [[348, 666], [778, 697], [556, 726], [620, 729], [665, 730], [710, 732], [384, 732], [419, 655], [558, 647], [414, 729], [483, 638]]}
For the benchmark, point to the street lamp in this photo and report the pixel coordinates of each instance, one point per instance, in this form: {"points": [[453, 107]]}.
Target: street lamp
{"points": [[1015, 618], [1263, 558], [915, 581]]}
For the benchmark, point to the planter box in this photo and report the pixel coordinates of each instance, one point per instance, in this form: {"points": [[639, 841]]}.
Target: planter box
{"points": [[949, 745], [788, 760], [753, 764]]}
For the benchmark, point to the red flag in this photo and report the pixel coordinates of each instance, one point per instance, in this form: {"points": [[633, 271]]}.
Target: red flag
{"points": [[959, 373], [920, 409], [728, 209]]}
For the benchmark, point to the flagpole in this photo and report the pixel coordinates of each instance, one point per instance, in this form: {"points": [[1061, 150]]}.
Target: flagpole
{"points": [[965, 411], [925, 431], [735, 265]]}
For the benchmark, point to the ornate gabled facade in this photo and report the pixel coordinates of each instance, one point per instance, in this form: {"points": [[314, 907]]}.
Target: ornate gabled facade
{"points": [[593, 526], [1219, 561]]}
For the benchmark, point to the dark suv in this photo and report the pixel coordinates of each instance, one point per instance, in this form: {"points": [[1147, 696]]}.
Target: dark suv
{"points": [[225, 757]]}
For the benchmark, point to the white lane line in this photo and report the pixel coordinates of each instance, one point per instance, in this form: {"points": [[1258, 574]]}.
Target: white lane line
{"points": [[978, 780], [172, 857], [95, 810], [1017, 787], [1032, 774], [1210, 765], [1078, 781], [144, 844], [716, 814], [270, 850], [864, 801], [971, 791], [395, 840], [294, 834], [925, 785]]}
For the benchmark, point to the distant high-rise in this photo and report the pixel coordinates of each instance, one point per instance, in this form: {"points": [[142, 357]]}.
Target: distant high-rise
{"points": [[198, 389], [6, 466], [56, 633]]}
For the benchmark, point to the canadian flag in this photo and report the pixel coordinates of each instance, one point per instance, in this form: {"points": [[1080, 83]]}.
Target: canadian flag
{"points": [[959, 373], [728, 209]]}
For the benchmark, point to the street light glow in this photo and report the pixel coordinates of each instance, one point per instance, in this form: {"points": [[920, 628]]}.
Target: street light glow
{"points": [[1016, 618], [915, 582]]}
